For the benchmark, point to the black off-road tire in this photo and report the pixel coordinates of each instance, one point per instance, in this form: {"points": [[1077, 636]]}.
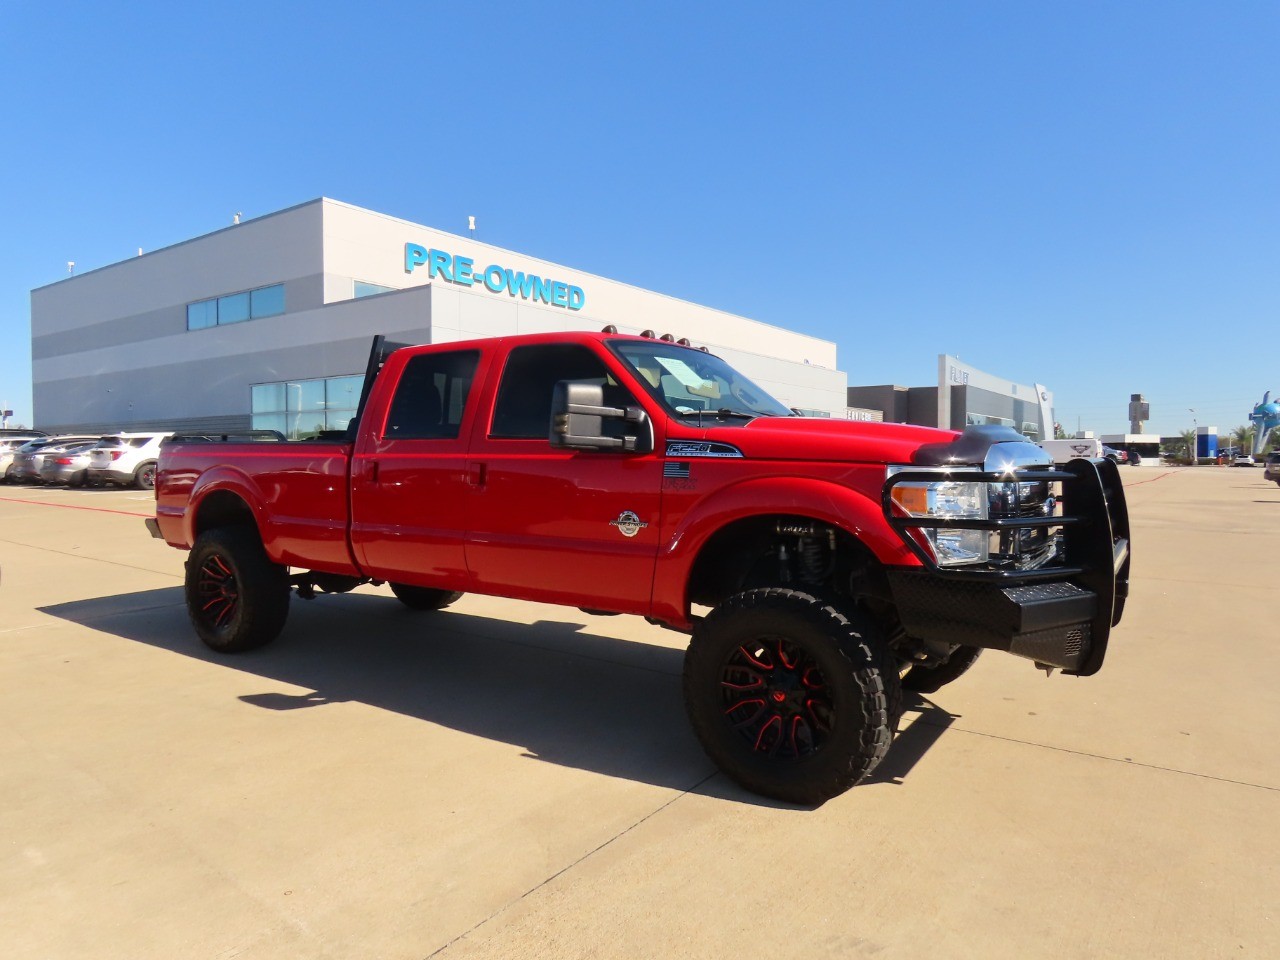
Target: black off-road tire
{"points": [[144, 478], [424, 598], [921, 679], [790, 696], [236, 597]]}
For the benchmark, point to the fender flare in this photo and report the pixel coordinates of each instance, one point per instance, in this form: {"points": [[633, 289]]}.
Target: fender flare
{"points": [[840, 506], [227, 479]]}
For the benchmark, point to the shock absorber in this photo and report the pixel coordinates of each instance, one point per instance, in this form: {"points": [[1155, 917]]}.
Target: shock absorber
{"points": [[813, 562], [814, 552]]}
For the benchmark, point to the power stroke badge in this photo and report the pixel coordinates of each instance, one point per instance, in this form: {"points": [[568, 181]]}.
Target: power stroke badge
{"points": [[628, 523]]}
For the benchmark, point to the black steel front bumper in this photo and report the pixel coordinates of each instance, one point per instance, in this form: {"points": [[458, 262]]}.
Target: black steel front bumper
{"points": [[1060, 614]]}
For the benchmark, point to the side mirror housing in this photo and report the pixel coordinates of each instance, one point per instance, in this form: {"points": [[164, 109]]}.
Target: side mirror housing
{"points": [[580, 420]]}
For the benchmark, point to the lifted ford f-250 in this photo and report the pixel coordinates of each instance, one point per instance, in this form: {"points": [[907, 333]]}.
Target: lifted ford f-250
{"points": [[842, 562]]}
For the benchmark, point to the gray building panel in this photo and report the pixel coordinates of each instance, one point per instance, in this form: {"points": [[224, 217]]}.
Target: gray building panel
{"points": [[300, 293], [922, 406], [143, 388], [890, 400]]}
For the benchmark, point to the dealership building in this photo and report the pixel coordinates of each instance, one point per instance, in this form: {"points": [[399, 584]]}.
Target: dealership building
{"points": [[964, 396], [267, 324]]}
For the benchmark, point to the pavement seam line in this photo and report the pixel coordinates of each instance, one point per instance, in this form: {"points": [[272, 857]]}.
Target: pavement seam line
{"points": [[567, 867], [1098, 756], [85, 556]]}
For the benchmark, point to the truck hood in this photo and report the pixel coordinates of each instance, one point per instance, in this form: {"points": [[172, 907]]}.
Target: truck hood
{"points": [[852, 441], [814, 439]]}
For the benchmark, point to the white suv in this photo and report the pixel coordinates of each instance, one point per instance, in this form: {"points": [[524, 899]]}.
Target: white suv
{"points": [[126, 458]]}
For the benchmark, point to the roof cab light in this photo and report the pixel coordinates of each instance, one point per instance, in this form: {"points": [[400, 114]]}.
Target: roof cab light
{"points": [[947, 500]]}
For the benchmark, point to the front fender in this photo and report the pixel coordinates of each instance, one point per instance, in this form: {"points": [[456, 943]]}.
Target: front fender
{"points": [[839, 506]]}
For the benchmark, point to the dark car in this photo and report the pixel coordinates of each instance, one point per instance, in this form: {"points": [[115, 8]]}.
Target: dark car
{"points": [[1273, 467]]}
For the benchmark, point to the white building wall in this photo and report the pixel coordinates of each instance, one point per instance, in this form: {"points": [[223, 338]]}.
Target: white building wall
{"points": [[800, 370]]}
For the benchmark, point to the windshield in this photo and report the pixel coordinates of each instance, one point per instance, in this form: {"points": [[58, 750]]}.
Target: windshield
{"points": [[690, 383]]}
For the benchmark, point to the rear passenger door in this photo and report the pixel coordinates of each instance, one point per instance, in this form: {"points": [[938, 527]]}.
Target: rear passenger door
{"points": [[408, 475], [547, 523]]}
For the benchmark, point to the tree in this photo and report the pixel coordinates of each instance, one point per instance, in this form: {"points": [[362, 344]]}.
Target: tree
{"points": [[1189, 441], [1243, 438]]}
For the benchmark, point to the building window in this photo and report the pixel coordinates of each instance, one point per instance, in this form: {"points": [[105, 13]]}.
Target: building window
{"points": [[267, 301], [984, 420], [236, 307], [301, 409], [233, 309], [202, 314], [370, 289]]}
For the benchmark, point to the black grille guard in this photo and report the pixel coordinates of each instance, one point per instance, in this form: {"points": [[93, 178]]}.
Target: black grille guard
{"points": [[1095, 533]]}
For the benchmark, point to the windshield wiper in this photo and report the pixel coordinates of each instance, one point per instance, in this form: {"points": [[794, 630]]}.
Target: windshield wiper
{"points": [[724, 413]]}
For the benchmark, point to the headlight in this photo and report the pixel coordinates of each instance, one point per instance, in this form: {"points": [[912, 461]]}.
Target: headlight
{"points": [[947, 500]]}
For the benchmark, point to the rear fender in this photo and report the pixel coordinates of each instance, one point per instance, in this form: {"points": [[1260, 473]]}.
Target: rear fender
{"points": [[228, 479], [830, 503]]}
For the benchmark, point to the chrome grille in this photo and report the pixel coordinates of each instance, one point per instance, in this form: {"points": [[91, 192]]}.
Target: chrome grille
{"points": [[1026, 548]]}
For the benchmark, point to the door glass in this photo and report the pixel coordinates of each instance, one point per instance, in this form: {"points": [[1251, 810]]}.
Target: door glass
{"points": [[431, 396], [523, 408]]}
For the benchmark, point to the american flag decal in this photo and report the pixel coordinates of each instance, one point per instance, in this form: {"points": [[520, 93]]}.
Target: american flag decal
{"points": [[674, 469]]}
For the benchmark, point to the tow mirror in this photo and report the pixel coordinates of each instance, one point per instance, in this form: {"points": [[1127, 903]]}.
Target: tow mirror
{"points": [[580, 420]]}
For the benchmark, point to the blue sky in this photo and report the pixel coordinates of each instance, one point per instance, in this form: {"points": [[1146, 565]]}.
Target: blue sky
{"points": [[1083, 194]]}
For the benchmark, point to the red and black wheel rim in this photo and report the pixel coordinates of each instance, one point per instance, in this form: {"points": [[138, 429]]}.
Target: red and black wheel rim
{"points": [[775, 696], [217, 593]]}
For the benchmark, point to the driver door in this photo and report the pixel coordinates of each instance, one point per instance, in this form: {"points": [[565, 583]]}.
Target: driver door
{"points": [[579, 527]]}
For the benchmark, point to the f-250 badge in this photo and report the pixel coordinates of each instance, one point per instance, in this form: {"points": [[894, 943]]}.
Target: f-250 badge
{"points": [[628, 523]]}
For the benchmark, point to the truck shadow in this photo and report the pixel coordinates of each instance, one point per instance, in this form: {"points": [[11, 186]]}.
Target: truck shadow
{"points": [[562, 693]]}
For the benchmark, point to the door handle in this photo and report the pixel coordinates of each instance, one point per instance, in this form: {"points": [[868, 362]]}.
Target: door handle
{"points": [[478, 474], [372, 471]]}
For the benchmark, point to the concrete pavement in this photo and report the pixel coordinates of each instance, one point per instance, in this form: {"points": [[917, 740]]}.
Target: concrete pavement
{"points": [[513, 780]]}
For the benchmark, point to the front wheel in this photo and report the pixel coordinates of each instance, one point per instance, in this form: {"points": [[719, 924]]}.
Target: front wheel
{"points": [[423, 598], [790, 696], [236, 597]]}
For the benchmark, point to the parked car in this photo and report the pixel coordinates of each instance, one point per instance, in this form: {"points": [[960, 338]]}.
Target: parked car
{"points": [[10, 441], [1116, 456], [68, 466], [1272, 470], [28, 459], [127, 458]]}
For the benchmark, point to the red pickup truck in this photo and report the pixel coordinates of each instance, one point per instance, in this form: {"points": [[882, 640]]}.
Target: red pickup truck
{"points": [[841, 562]]}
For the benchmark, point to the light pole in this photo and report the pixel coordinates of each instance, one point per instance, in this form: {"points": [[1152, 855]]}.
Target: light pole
{"points": [[1195, 437]]}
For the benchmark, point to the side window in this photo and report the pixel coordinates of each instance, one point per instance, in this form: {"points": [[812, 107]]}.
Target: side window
{"points": [[523, 408], [431, 396]]}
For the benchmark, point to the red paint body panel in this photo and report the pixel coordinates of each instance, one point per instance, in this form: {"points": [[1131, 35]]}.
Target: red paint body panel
{"points": [[524, 519]]}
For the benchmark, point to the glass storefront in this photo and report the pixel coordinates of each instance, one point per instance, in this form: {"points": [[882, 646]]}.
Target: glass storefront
{"points": [[300, 409]]}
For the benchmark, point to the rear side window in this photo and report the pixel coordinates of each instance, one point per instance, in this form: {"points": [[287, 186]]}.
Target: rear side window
{"points": [[431, 396]]}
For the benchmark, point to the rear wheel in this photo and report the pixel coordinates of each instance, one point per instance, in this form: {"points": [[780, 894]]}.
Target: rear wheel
{"points": [[423, 598], [790, 696], [236, 597], [144, 478]]}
